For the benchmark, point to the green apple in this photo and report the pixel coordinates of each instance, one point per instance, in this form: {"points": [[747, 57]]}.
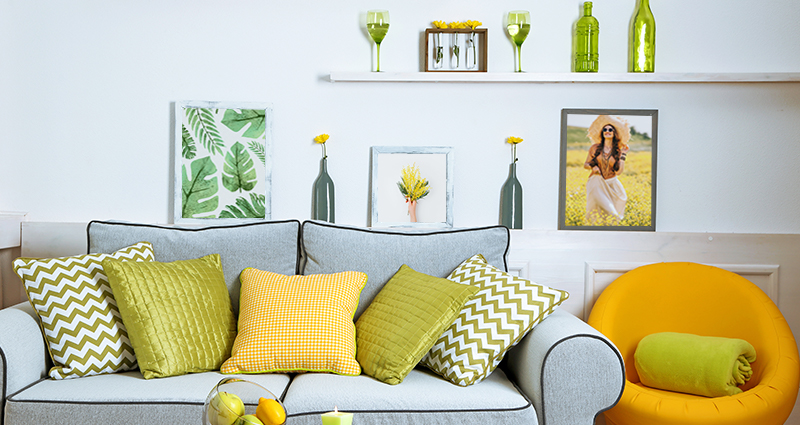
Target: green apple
{"points": [[225, 409], [249, 420]]}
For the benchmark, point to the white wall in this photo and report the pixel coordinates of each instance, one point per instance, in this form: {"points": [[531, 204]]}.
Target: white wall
{"points": [[86, 92]]}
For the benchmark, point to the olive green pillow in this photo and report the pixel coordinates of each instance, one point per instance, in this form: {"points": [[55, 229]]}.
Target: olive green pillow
{"points": [[404, 320], [178, 314]]}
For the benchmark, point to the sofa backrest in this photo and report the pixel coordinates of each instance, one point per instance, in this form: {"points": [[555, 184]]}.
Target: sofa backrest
{"points": [[269, 245], [329, 248]]}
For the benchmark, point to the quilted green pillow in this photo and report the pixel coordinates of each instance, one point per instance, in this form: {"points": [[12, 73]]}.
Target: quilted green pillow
{"points": [[178, 314], [78, 313], [505, 309], [404, 320]]}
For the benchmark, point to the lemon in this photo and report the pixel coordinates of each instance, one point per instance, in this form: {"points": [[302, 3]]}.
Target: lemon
{"points": [[270, 411]]}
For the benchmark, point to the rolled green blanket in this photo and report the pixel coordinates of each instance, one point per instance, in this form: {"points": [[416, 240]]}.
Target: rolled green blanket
{"points": [[702, 365]]}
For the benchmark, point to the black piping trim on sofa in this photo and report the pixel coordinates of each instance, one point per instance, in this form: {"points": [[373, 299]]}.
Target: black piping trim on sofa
{"points": [[417, 232], [614, 350], [197, 229], [5, 386]]}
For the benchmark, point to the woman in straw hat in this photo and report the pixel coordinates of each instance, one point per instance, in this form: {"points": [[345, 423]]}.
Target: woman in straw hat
{"points": [[605, 196]]}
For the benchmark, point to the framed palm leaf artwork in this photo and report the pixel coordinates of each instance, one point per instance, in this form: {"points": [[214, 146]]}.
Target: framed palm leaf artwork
{"points": [[222, 161]]}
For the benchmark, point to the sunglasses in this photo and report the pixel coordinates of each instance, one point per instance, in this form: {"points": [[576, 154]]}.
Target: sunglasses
{"points": [[608, 130]]}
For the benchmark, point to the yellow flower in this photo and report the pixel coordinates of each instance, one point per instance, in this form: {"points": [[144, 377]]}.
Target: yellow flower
{"points": [[322, 138], [473, 24], [440, 24], [514, 140], [457, 25], [412, 186]]}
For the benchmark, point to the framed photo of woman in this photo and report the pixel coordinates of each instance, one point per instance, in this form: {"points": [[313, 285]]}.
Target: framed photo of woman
{"points": [[608, 169]]}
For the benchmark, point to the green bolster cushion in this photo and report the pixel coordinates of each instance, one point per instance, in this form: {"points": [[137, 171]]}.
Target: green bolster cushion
{"points": [[701, 365]]}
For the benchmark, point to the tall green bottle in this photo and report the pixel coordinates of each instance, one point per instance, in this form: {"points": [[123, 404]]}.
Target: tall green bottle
{"points": [[323, 203], [511, 200], [587, 30], [642, 49]]}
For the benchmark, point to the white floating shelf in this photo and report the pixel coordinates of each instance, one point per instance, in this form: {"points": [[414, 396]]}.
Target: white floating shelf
{"points": [[570, 77]]}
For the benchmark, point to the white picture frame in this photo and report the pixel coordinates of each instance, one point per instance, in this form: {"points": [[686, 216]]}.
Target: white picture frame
{"points": [[228, 146], [388, 205]]}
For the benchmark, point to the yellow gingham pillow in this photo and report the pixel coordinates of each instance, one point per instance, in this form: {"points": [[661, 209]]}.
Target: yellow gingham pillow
{"points": [[296, 323]]}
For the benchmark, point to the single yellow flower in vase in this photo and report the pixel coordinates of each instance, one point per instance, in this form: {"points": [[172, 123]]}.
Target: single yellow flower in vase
{"points": [[321, 139], [472, 49], [511, 194], [438, 47], [455, 58], [323, 201], [413, 187], [514, 142]]}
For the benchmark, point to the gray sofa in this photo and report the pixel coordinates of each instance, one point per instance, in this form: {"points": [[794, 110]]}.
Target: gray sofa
{"points": [[563, 372]]}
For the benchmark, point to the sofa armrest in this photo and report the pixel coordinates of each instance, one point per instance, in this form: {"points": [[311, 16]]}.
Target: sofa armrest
{"points": [[568, 370], [23, 356]]}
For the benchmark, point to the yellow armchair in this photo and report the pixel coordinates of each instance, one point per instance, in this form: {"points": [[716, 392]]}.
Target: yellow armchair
{"points": [[703, 300]]}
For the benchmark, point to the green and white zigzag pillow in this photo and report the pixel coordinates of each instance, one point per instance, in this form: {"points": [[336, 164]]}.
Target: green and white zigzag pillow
{"points": [[500, 314], [79, 316]]}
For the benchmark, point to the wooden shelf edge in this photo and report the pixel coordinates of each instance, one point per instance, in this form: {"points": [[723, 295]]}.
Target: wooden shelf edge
{"points": [[570, 77]]}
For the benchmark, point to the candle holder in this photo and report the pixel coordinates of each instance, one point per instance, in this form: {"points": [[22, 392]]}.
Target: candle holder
{"points": [[474, 51]]}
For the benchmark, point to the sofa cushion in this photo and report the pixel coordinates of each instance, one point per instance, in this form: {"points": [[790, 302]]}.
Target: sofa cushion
{"points": [[269, 245], [79, 315], [178, 314], [423, 397], [124, 398], [297, 323], [403, 321], [380, 253], [497, 318]]}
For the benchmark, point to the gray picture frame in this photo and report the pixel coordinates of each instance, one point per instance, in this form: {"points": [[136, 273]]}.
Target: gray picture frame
{"points": [[640, 204], [233, 142], [435, 164]]}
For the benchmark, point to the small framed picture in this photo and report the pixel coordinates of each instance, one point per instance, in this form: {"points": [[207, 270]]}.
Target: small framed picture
{"points": [[223, 167], [411, 187], [608, 169]]}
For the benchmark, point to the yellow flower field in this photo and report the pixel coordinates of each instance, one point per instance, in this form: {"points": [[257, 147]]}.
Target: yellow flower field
{"points": [[636, 179]]}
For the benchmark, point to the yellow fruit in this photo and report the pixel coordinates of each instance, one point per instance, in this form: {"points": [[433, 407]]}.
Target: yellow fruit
{"points": [[249, 420], [225, 409], [270, 411]]}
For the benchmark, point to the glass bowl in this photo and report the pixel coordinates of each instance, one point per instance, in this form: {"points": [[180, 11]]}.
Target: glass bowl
{"points": [[233, 400]]}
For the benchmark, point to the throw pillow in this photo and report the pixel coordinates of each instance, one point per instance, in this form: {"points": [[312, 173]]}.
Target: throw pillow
{"points": [[505, 309], [78, 314], [404, 320], [178, 314], [296, 323]]}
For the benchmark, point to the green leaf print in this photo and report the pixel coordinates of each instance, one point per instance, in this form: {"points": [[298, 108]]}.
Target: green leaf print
{"points": [[200, 190], [243, 209], [239, 172], [201, 120], [258, 150], [189, 150], [236, 121]]}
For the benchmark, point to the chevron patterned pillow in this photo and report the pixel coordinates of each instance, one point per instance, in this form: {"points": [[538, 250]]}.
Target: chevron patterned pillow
{"points": [[504, 309], [79, 316]]}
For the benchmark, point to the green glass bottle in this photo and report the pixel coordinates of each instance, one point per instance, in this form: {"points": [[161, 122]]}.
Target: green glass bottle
{"points": [[324, 205], [511, 200], [642, 49], [587, 30]]}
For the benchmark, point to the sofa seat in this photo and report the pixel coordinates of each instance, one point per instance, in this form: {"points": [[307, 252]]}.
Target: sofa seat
{"points": [[423, 397], [123, 398]]}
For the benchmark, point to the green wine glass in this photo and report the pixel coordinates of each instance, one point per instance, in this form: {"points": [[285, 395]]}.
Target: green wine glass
{"points": [[377, 27], [519, 25]]}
